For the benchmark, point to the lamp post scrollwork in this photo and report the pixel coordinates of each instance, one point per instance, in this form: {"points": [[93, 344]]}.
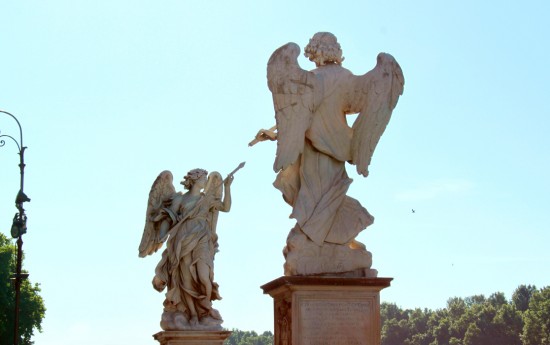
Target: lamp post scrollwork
{"points": [[19, 225]]}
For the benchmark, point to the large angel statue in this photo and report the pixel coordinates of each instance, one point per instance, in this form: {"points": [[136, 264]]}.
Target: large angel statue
{"points": [[314, 142], [187, 222]]}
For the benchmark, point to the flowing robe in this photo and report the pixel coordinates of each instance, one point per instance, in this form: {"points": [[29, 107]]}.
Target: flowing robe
{"points": [[192, 240], [316, 185]]}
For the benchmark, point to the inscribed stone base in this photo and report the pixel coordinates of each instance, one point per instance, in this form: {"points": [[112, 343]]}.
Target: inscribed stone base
{"points": [[321, 310], [191, 337]]}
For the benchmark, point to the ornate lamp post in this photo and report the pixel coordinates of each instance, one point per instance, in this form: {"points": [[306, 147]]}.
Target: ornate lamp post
{"points": [[19, 225]]}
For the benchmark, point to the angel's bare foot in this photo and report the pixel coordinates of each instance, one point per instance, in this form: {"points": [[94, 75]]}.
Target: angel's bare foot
{"points": [[194, 320]]}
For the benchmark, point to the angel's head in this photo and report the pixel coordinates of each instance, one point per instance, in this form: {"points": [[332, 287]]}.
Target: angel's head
{"points": [[194, 176], [323, 48]]}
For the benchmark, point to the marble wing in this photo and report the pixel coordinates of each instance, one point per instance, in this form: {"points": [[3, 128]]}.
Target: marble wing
{"points": [[213, 191], [296, 94], [161, 192], [374, 97]]}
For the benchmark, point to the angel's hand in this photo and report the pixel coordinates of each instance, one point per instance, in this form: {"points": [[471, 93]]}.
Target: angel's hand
{"points": [[263, 135], [228, 181], [266, 134]]}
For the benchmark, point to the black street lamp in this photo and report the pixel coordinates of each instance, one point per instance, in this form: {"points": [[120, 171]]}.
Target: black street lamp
{"points": [[19, 225]]}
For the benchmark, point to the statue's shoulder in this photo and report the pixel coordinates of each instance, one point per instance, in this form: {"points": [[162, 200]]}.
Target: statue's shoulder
{"points": [[332, 68], [333, 75], [189, 201], [177, 199]]}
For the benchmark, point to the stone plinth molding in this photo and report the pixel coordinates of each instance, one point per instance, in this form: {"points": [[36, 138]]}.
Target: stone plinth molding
{"points": [[191, 337], [311, 310]]}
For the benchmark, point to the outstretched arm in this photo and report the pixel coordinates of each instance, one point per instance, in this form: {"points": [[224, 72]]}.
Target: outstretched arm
{"points": [[263, 135], [226, 203]]}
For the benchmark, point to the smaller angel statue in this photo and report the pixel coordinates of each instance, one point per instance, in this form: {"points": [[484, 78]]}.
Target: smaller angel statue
{"points": [[187, 223]]}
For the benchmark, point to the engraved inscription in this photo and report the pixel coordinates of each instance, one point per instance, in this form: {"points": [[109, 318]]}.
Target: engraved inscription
{"points": [[335, 322]]}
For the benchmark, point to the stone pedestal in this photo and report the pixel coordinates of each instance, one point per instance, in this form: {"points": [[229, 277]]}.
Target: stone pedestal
{"points": [[319, 310], [191, 337]]}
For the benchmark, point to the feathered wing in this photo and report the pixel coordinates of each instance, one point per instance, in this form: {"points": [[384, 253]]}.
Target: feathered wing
{"points": [[213, 191], [296, 93], [162, 190], [375, 96]]}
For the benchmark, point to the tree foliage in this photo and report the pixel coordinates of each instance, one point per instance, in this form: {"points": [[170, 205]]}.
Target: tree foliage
{"points": [[475, 320], [537, 319], [249, 338], [522, 295], [31, 305]]}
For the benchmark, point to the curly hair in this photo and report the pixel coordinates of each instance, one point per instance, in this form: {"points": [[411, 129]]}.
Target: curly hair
{"points": [[322, 48], [192, 176]]}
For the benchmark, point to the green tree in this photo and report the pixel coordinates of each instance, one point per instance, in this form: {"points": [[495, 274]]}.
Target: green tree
{"points": [[418, 321], [522, 295], [419, 339], [455, 341], [441, 332], [31, 305], [480, 330], [536, 329], [395, 332], [389, 311], [508, 325], [497, 299], [493, 322], [473, 335], [460, 318], [474, 320], [239, 337], [476, 299], [456, 307]]}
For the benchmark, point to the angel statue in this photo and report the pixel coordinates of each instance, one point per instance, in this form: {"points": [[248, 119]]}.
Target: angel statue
{"points": [[187, 223], [314, 141]]}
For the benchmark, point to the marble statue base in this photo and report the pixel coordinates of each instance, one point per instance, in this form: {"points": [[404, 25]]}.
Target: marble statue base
{"points": [[313, 310], [192, 337]]}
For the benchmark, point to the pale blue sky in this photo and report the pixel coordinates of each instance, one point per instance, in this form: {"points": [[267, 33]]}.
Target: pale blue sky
{"points": [[110, 93]]}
